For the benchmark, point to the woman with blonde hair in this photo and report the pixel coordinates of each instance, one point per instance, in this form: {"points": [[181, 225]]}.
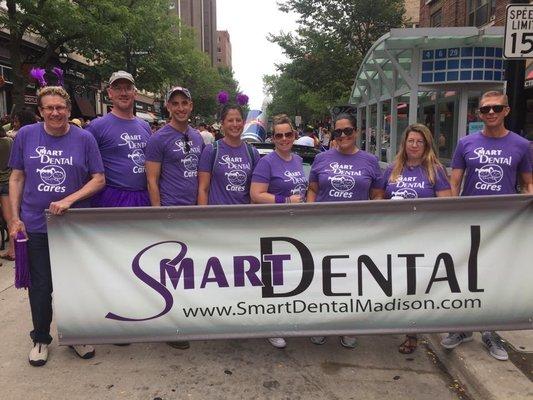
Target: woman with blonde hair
{"points": [[415, 173]]}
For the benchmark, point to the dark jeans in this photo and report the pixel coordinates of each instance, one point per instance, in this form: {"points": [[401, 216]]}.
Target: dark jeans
{"points": [[40, 292]]}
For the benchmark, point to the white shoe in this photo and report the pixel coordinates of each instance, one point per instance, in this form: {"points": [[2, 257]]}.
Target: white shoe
{"points": [[38, 354], [84, 351], [277, 342]]}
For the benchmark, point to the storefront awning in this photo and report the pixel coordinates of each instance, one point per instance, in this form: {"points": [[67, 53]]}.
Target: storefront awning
{"points": [[85, 106]]}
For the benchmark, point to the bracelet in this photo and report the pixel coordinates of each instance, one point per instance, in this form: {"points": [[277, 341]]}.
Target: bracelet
{"points": [[279, 199]]}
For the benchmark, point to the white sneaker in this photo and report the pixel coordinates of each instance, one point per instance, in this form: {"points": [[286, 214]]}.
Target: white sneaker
{"points": [[38, 354], [277, 342], [84, 351]]}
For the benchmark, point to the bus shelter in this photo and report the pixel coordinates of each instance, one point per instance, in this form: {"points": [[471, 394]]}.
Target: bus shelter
{"points": [[433, 76]]}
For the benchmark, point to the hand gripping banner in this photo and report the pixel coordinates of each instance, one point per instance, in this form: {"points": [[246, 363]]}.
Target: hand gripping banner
{"points": [[162, 274]]}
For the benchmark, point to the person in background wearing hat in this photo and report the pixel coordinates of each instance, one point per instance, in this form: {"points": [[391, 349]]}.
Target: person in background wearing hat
{"points": [[307, 138], [55, 165], [122, 138], [172, 156]]}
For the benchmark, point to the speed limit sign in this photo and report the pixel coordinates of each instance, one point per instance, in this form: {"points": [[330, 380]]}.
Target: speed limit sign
{"points": [[518, 31]]}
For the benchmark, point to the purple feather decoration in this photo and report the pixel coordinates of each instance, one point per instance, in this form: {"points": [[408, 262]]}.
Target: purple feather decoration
{"points": [[242, 99], [223, 97], [38, 75], [59, 73], [22, 265]]}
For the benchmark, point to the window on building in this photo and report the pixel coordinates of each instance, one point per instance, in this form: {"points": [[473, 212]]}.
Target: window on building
{"points": [[436, 18], [481, 12]]}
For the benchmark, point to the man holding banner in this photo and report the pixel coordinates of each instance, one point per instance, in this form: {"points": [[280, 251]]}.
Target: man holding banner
{"points": [[56, 166], [491, 160]]}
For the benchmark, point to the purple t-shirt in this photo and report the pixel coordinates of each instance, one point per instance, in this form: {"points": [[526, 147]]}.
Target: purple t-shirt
{"points": [[122, 143], [54, 167], [414, 183], [491, 164], [232, 172], [178, 183], [284, 178], [345, 177]]}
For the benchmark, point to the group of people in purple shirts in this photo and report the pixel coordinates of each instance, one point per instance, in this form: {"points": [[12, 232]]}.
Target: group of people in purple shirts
{"points": [[117, 162]]}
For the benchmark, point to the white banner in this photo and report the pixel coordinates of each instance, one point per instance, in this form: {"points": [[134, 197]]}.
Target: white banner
{"points": [[162, 274]]}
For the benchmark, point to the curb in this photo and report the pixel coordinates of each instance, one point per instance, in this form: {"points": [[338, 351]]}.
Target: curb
{"points": [[484, 377]]}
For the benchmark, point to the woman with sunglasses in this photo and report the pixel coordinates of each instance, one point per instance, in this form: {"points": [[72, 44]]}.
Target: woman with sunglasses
{"points": [[415, 173], [225, 169], [279, 177], [344, 173]]}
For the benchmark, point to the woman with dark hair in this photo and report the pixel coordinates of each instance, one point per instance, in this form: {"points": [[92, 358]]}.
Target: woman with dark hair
{"points": [[279, 177], [5, 150], [20, 119], [226, 166], [415, 173], [344, 173]]}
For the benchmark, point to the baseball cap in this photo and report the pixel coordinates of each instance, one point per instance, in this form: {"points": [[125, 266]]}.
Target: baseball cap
{"points": [[178, 89], [121, 75]]}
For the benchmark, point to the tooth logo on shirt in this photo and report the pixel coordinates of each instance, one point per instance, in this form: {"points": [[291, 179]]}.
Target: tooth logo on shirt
{"points": [[52, 175], [237, 178], [191, 162], [405, 193], [137, 156], [490, 174], [342, 183]]}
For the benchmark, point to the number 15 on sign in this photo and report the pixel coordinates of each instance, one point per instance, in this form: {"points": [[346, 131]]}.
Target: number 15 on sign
{"points": [[519, 31]]}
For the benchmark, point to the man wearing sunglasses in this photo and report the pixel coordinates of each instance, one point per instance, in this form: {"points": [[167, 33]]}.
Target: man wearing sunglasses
{"points": [[491, 160], [172, 155]]}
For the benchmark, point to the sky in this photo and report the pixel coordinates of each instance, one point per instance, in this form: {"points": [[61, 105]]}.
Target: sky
{"points": [[248, 23]]}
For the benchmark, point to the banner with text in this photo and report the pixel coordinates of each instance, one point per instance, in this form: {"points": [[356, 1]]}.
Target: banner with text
{"points": [[162, 274]]}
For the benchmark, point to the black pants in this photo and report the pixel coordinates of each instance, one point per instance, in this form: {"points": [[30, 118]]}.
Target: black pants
{"points": [[40, 292]]}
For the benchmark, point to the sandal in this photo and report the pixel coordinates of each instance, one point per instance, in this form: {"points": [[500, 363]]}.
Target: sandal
{"points": [[409, 345]]}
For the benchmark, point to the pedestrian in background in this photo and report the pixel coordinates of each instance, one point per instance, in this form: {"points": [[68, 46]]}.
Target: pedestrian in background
{"points": [[415, 173], [490, 162], [55, 166], [344, 173], [5, 150]]}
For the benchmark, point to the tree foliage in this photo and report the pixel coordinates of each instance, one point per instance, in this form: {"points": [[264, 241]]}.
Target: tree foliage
{"points": [[332, 39]]}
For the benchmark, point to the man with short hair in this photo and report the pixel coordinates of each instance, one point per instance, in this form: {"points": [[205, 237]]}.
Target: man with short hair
{"points": [[206, 135], [490, 161], [122, 138], [56, 166]]}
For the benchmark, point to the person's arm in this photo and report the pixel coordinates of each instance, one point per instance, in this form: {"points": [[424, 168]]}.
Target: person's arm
{"points": [[312, 192], [455, 181], [204, 181], [377, 194], [259, 195], [95, 184], [526, 184], [153, 172], [444, 193], [16, 186]]}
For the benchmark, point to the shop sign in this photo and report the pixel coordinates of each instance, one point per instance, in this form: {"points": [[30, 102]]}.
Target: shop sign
{"points": [[30, 99]]}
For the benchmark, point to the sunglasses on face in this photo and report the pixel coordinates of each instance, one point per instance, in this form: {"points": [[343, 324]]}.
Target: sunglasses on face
{"points": [[498, 108], [186, 142], [339, 132], [286, 135]]}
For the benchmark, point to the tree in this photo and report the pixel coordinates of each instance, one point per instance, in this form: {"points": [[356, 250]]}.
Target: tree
{"points": [[332, 39]]}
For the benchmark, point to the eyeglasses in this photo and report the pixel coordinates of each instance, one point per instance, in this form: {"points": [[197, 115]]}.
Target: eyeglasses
{"points": [[339, 132], [498, 108], [186, 142], [127, 89], [51, 109], [412, 142], [286, 135]]}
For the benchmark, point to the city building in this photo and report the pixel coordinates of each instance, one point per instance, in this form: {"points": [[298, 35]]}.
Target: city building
{"points": [[412, 13], [223, 58], [201, 15]]}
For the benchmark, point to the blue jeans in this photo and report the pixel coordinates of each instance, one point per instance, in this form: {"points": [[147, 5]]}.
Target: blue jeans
{"points": [[40, 292]]}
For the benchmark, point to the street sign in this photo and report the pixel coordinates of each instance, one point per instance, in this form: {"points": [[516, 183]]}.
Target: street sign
{"points": [[518, 31]]}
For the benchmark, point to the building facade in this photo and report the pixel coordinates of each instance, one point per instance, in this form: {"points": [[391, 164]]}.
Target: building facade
{"points": [[223, 58], [201, 16]]}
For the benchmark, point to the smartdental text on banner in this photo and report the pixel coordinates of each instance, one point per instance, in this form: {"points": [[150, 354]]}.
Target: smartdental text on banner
{"points": [[162, 274]]}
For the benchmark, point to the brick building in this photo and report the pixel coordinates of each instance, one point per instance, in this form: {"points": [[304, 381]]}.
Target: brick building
{"points": [[223, 58]]}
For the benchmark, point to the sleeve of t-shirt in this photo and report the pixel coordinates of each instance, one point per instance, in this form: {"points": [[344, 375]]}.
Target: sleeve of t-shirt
{"points": [[441, 180], [92, 128], [262, 172], [207, 159], [16, 159], [525, 162], [377, 176], [256, 156], [146, 127], [458, 160], [154, 151], [94, 158], [315, 170]]}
